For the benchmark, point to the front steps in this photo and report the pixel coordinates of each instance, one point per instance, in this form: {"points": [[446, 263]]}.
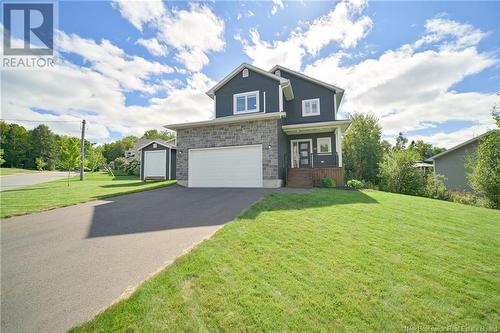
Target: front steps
{"points": [[299, 178]]}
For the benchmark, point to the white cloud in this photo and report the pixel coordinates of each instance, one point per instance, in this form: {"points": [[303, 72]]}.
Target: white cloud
{"points": [[131, 72], [409, 88], [140, 12], [153, 46], [193, 33], [277, 5], [451, 139], [343, 25]]}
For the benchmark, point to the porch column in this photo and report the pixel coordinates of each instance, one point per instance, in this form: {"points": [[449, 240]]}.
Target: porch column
{"points": [[338, 145]]}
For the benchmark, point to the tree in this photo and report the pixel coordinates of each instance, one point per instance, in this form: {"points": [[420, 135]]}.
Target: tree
{"points": [[386, 146], [69, 158], [2, 161], [401, 141], [39, 163], [437, 150], [16, 146], [117, 149], [362, 148], [485, 168], [423, 149], [398, 174], [155, 134], [43, 144], [94, 158]]}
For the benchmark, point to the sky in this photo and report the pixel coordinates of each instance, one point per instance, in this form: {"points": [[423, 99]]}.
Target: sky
{"points": [[428, 69]]}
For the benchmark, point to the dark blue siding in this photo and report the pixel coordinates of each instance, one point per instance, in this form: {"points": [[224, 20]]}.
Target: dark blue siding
{"points": [[240, 84], [319, 161], [304, 89]]}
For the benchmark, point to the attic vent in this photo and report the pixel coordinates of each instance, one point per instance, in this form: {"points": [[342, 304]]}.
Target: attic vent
{"points": [[245, 72], [155, 145], [277, 73]]}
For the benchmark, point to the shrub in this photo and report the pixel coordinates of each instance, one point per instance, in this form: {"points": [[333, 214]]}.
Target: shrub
{"points": [[132, 168], [434, 187], [39, 163], [356, 184], [485, 167], [328, 182], [119, 162], [398, 174]]}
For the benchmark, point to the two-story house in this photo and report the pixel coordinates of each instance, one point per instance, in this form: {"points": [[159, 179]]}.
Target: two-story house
{"points": [[271, 128]]}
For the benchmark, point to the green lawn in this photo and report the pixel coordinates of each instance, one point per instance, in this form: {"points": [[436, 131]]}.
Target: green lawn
{"points": [[328, 261], [12, 171], [57, 193]]}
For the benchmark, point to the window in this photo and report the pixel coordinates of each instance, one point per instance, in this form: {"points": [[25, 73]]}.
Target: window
{"points": [[245, 72], [277, 73], [246, 102], [310, 107], [324, 146]]}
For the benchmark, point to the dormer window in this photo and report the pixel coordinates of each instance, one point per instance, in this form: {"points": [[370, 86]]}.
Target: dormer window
{"points": [[246, 102], [310, 107], [245, 72]]}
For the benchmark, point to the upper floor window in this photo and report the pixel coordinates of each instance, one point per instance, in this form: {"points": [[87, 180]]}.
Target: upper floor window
{"points": [[310, 107], [246, 102]]}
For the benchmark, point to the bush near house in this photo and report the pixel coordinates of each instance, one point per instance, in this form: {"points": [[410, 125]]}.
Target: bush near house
{"points": [[356, 184], [328, 182]]}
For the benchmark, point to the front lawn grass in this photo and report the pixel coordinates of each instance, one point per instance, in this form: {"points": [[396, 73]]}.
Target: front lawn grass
{"points": [[13, 171], [57, 193], [328, 261]]}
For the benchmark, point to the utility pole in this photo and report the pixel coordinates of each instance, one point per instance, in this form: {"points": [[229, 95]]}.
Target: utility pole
{"points": [[82, 149]]}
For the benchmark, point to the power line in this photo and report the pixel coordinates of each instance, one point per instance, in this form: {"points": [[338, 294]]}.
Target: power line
{"points": [[44, 121]]}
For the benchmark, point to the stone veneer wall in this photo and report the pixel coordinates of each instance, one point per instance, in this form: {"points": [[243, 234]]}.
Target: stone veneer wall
{"points": [[263, 132]]}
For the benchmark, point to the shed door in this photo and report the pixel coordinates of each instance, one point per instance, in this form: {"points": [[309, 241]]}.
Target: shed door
{"points": [[238, 166], [155, 163]]}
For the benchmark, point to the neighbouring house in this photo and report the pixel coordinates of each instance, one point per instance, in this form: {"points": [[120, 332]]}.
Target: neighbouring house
{"points": [[452, 164], [270, 128], [157, 160], [423, 167]]}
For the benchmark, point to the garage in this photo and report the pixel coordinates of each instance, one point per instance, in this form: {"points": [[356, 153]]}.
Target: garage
{"points": [[234, 166], [157, 161]]}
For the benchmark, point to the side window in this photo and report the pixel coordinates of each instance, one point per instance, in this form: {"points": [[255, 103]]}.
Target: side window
{"points": [[246, 102], [310, 107]]}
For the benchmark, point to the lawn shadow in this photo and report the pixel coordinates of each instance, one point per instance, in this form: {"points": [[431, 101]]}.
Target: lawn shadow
{"points": [[317, 197]]}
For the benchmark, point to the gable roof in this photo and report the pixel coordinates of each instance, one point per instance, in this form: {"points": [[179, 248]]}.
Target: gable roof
{"points": [[158, 141], [235, 72], [308, 78], [461, 145]]}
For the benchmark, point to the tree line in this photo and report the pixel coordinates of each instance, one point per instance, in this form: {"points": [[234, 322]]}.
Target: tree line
{"points": [[372, 162], [42, 149]]}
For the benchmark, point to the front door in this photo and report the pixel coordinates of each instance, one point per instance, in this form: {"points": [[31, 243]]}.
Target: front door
{"points": [[304, 154]]}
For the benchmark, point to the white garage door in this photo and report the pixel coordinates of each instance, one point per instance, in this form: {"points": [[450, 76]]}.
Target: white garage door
{"points": [[239, 166], [155, 163]]}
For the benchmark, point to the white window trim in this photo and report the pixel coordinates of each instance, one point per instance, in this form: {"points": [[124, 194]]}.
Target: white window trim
{"points": [[318, 140], [304, 101], [245, 94]]}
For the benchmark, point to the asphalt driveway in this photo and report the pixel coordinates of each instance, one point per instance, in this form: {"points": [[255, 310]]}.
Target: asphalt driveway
{"points": [[10, 182], [59, 268]]}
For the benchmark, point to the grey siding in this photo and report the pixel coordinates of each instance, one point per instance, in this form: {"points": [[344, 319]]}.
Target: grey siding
{"points": [[167, 164], [240, 84], [452, 167], [304, 89], [319, 161], [263, 132]]}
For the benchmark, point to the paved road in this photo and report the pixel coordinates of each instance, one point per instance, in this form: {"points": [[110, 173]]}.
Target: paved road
{"points": [[24, 179], [60, 267]]}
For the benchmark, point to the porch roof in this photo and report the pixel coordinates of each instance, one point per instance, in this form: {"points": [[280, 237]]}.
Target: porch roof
{"points": [[320, 127], [228, 120]]}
